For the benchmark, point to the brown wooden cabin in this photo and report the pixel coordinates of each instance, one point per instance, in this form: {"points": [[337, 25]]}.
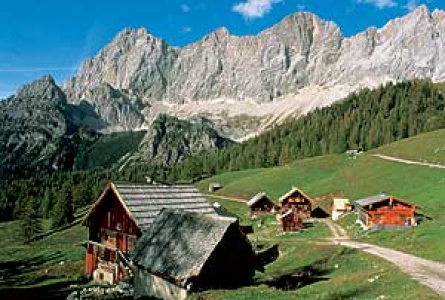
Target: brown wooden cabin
{"points": [[385, 211], [185, 252], [261, 204], [121, 215], [299, 202], [290, 221]]}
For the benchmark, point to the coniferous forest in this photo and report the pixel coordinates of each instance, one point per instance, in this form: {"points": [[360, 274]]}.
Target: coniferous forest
{"points": [[365, 120]]}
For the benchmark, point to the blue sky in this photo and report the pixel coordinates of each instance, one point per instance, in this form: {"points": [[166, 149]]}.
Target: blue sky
{"points": [[53, 37]]}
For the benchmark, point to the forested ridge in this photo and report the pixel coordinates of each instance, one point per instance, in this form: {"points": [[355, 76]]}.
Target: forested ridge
{"points": [[364, 120]]}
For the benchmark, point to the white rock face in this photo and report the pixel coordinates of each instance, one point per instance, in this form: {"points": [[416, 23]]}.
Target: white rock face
{"points": [[302, 62]]}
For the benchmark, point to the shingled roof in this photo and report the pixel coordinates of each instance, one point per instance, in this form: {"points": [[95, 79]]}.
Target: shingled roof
{"points": [[379, 198], [178, 243], [372, 199], [143, 202]]}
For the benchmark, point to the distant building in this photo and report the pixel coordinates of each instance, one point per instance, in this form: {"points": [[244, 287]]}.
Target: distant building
{"points": [[297, 201], [353, 152], [213, 187], [385, 212], [184, 252], [340, 206], [261, 204], [120, 216]]}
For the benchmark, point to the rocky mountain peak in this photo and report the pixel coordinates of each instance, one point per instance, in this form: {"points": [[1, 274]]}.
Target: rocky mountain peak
{"points": [[44, 88], [220, 33], [301, 52]]}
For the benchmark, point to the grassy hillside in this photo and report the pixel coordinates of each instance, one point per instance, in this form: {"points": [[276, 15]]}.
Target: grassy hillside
{"points": [[427, 147], [310, 269], [366, 175], [47, 266]]}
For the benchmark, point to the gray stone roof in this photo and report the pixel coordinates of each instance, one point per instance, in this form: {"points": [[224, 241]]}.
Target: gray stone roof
{"points": [[178, 243], [145, 201], [372, 199]]}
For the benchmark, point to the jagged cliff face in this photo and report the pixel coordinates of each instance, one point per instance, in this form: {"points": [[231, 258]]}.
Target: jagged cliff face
{"points": [[32, 125], [304, 60]]}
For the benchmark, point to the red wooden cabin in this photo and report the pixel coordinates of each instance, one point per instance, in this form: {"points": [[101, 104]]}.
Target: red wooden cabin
{"points": [[386, 211], [298, 202], [121, 215], [290, 221]]}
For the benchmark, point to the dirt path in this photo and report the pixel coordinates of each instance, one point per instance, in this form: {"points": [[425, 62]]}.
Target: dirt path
{"points": [[226, 198], [338, 232], [426, 272], [408, 162]]}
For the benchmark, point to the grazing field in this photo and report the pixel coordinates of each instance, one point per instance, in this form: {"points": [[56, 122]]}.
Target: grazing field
{"points": [[366, 175], [427, 147], [308, 268], [47, 266]]}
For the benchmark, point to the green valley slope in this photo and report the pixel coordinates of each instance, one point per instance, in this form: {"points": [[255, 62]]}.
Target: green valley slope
{"points": [[366, 175]]}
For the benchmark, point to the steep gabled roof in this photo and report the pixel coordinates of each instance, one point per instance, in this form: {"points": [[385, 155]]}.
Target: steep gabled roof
{"points": [[178, 244], [379, 198], [143, 202], [257, 198], [293, 191]]}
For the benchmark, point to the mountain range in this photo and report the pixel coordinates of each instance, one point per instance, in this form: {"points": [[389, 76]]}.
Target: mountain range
{"points": [[174, 102], [245, 84]]}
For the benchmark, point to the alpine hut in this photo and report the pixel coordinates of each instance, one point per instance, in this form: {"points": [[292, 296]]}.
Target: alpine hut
{"points": [[297, 201], [385, 211], [184, 252], [261, 204], [121, 214]]}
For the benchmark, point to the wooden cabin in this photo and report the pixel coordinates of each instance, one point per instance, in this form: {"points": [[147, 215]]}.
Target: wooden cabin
{"points": [[340, 206], [385, 211], [261, 204], [290, 221], [184, 252], [121, 215], [298, 202]]}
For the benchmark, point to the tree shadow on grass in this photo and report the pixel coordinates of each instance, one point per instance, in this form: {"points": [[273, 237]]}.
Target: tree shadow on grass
{"points": [[26, 279], [19, 272], [303, 276], [57, 290], [297, 278]]}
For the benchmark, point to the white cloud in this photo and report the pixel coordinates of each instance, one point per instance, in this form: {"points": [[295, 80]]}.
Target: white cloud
{"points": [[185, 8], [253, 9], [412, 4], [380, 3]]}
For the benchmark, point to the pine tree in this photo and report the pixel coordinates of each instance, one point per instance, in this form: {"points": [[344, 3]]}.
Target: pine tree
{"points": [[30, 223], [64, 210], [48, 203]]}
